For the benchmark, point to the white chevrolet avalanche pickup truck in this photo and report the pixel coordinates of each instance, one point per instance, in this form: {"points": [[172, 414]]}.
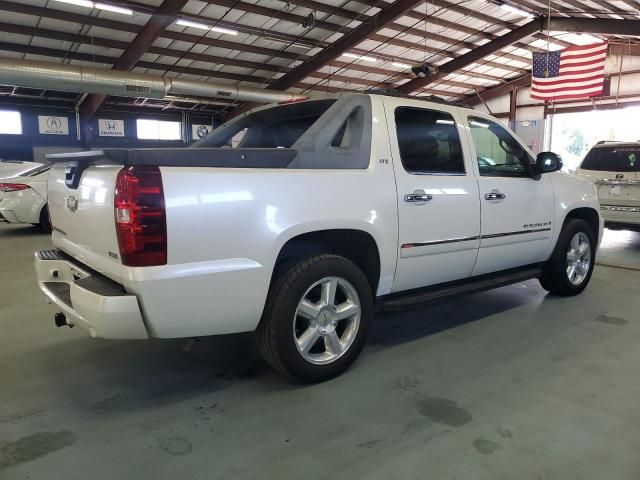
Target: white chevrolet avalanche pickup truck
{"points": [[298, 220]]}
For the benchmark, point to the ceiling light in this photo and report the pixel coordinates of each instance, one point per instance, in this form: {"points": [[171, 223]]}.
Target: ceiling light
{"points": [[585, 37], [400, 65], [80, 3], [516, 10], [224, 30], [189, 23], [98, 5], [113, 8], [360, 57], [203, 26]]}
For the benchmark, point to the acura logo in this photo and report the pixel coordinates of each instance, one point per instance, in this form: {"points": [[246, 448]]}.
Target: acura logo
{"points": [[54, 123], [72, 203]]}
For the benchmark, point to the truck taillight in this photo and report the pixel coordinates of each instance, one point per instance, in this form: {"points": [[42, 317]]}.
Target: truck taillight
{"points": [[13, 187], [140, 217]]}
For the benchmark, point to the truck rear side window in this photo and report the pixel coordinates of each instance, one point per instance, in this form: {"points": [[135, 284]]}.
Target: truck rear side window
{"points": [[613, 159], [279, 126], [428, 141]]}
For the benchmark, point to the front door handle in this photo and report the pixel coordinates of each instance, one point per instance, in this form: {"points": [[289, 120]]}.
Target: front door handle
{"points": [[494, 195], [419, 196]]}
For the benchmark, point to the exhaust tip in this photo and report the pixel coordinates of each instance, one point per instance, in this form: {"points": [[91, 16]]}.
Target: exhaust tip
{"points": [[60, 319]]}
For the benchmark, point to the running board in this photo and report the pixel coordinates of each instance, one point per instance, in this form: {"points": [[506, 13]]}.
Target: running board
{"points": [[444, 291]]}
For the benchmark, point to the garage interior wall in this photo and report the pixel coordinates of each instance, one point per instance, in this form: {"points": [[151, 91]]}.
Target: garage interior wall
{"points": [[32, 144]]}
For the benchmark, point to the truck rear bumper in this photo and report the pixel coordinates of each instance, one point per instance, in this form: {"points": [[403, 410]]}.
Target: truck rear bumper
{"points": [[88, 299], [620, 215]]}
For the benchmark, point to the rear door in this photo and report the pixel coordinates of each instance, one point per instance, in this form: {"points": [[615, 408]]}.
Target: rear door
{"points": [[438, 208], [517, 211]]}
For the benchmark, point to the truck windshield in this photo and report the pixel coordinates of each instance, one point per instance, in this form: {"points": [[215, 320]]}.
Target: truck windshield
{"points": [[613, 159], [276, 127]]}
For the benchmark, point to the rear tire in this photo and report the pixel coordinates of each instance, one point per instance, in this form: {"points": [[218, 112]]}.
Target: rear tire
{"points": [[316, 318], [45, 221], [570, 267]]}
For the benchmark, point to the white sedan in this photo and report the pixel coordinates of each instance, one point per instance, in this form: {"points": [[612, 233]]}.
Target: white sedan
{"points": [[23, 198], [12, 168]]}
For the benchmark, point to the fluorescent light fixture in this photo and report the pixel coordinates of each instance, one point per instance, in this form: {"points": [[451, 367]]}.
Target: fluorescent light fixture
{"points": [[578, 38], [444, 122], [202, 26], [585, 37], [516, 10], [360, 57], [113, 8], [400, 65], [98, 5], [189, 23], [224, 30], [80, 3]]}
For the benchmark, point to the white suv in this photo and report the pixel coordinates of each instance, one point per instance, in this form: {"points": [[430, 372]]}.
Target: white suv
{"points": [[615, 169]]}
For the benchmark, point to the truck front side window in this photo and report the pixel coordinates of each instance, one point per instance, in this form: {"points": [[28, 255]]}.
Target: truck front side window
{"points": [[497, 152]]}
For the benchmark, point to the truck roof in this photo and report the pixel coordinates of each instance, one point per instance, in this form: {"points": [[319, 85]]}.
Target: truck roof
{"points": [[390, 92]]}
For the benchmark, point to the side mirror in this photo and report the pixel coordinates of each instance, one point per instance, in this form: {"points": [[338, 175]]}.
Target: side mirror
{"points": [[547, 162]]}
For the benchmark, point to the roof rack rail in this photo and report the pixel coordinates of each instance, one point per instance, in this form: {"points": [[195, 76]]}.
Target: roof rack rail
{"points": [[392, 92]]}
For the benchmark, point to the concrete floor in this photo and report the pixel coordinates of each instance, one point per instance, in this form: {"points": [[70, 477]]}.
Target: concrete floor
{"points": [[508, 384]]}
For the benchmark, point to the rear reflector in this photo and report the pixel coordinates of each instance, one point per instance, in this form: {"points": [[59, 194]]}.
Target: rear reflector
{"points": [[13, 187], [140, 217]]}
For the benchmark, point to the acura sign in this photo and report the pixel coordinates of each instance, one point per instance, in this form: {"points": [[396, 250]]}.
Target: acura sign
{"points": [[48, 125]]}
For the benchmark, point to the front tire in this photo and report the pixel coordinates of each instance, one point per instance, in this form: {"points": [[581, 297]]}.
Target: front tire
{"points": [[569, 269], [316, 318]]}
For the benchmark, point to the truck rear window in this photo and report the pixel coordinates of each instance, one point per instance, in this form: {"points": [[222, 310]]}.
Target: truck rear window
{"points": [[613, 159], [276, 127]]}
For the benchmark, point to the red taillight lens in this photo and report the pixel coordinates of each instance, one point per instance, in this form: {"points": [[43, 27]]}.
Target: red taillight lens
{"points": [[13, 187], [140, 217]]}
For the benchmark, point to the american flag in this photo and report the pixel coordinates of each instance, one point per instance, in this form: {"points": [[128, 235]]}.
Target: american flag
{"points": [[575, 72]]}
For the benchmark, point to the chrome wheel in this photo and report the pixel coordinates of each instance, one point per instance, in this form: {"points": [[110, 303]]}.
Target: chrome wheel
{"points": [[578, 258], [326, 320]]}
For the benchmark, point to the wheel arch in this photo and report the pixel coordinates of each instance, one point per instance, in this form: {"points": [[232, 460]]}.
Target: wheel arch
{"points": [[356, 245], [589, 215]]}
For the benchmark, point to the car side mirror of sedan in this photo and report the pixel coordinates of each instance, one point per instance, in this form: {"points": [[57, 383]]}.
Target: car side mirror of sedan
{"points": [[547, 162]]}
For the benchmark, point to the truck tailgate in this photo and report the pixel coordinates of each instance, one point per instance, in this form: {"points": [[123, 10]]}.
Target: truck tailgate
{"points": [[83, 217], [623, 192]]}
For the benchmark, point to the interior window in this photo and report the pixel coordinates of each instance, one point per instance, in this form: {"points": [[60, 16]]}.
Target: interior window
{"points": [[498, 153], [428, 141], [158, 130], [10, 122]]}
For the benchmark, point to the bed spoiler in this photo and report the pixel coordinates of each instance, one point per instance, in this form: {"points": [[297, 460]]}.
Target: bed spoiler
{"points": [[77, 162]]}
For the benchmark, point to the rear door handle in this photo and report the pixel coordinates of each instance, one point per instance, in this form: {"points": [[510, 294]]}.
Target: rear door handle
{"points": [[419, 196], [494, 195]]}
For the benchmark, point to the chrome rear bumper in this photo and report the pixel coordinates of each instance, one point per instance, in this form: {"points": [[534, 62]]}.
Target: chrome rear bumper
{"points": [[88, 299]]}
